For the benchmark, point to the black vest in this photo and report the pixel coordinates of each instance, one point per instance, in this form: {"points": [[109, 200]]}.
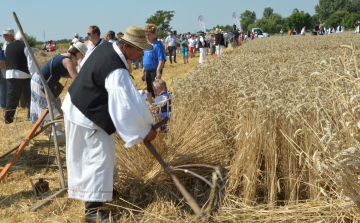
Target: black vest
{"points": [[15, 57], [200, 44], [219, 39], [88, 91]]}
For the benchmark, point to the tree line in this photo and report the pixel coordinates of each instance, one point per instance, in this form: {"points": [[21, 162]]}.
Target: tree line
{"points": [[328, 12]]}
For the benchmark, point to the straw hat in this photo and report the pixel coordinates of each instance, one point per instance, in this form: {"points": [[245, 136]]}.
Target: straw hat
{"points": [[81, 47], [135, 35], [8, 32], [217, 31], [76, 34]]}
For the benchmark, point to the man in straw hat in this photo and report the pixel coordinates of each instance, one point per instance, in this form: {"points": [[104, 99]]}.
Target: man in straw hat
{"points": [[219, 40], [102, 100], [75, 40], [357, 29]]}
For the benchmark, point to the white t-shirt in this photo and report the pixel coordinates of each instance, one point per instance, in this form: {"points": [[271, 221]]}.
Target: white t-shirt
{"points": [[192, 42], [303, 31], [75, 40]]}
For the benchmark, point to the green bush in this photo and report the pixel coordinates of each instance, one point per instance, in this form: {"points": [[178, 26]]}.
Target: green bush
{"points": [[31, 40]]}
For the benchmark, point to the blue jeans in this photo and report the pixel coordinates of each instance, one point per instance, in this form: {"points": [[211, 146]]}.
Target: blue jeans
{"points": [[3, 91], [137, 63], [185, 53]]}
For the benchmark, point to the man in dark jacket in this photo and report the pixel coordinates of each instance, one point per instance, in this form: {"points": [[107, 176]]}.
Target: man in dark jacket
{"points": [[19, 68]]}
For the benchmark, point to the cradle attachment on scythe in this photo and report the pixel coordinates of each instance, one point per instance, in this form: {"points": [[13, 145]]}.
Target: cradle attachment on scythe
{"points": [[194, 206]]}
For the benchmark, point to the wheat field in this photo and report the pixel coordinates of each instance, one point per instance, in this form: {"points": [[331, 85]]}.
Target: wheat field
{"points": [[278, 117]]}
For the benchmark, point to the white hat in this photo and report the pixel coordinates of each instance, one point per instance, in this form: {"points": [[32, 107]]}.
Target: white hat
{"points": [[8, 31], [19, 37], [81, 47]]}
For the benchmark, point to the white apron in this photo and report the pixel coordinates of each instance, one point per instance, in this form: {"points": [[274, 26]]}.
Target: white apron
{"points": [[90, 163]]}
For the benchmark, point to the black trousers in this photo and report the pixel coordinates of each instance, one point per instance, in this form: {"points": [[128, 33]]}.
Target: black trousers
{"points": [[172, 51], [150, 78], [14, 89]]}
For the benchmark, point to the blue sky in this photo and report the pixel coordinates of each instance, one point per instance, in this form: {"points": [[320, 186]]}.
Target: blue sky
{"points": [[61, 19]]}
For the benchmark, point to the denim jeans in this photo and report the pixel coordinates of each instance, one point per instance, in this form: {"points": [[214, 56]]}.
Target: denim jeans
{"points": [[137, 63]]}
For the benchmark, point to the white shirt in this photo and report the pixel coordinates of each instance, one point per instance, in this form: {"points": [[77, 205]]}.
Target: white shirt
{"points": [[89, 51], [303, 32], [337, 29], [357, 30], [192, 42], [330, 30], [19, 74], [202, 40], [171, 41], [128, 110], [75, 40]]}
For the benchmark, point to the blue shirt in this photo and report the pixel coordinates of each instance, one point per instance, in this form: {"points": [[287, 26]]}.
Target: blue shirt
{"points": [[2, 57], [281, 33], [152, 57]]}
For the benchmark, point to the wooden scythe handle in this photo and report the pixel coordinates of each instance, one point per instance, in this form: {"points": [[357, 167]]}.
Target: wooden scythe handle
{"points": [[194, 206]]}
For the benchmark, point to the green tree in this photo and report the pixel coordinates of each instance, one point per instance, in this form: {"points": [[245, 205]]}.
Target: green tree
{"points": [[272, 24], [226, 28], [247, 18], [268, 11], [31, 40], [162, 20], [335, 18], [354, 6], [298, 18], [326, 8], [349, 20], [314, 18]]}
